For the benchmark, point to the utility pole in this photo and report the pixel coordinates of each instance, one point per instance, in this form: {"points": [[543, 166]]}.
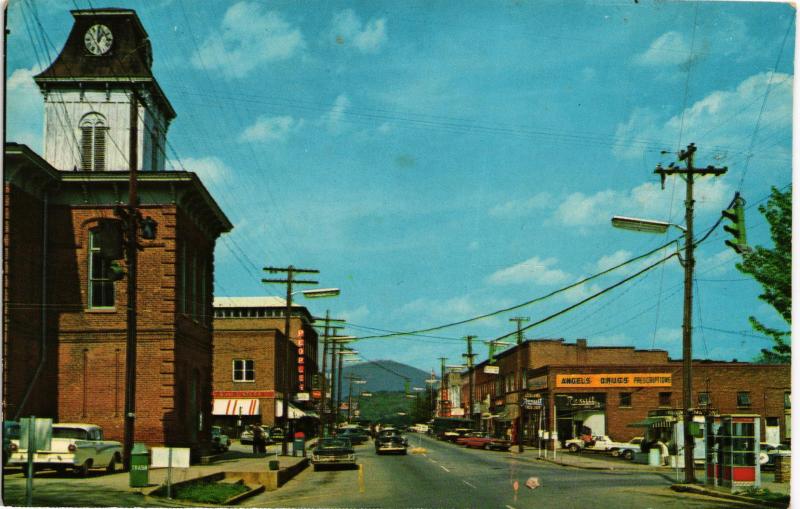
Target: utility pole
{"points": [[688, 173], [326, 338], [132, 214], [324, 374], [470, 356], [339, 388], [442, 389], [287, 388], [520, 390]]}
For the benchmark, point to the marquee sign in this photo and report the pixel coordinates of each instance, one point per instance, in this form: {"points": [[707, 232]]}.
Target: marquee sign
{"points": [[601, 380], [301, 361]]}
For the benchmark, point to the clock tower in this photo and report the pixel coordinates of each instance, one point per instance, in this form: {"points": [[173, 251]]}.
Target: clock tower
{"points": [[101, 97]]}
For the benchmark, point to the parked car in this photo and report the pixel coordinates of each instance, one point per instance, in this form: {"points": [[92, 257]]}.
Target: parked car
{"points": [[74, 445], [10, 432], [419, 428], [390, 441], [219, 440], [600, 443], [628, 449], [332, 451], [355, 435], [460, 440], [484, 441], [453, 434], [769, 452]]}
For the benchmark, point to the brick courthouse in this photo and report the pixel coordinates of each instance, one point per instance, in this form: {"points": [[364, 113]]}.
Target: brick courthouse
{"points": [[64, 318]]}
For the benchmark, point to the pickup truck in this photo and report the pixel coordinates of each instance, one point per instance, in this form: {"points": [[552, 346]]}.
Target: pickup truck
{"points": [[74, 445], [603, 443]]}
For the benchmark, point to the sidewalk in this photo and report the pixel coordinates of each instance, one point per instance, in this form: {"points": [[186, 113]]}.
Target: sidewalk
{"points": [[595, 461], [114, 490]]}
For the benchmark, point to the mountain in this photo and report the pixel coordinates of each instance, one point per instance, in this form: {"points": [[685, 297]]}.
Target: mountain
{"points": [[384, 376]]}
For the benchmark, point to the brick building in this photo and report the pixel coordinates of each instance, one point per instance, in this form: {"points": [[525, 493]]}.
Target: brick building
{"points": [[65, 323], [570, 385], [250, 363]]}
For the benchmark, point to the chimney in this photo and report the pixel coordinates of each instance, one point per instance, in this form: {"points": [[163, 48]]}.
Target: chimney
{"points": [[581, 343]]}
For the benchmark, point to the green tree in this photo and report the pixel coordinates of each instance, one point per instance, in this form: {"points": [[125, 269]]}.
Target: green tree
{"points": [[772, 267]]}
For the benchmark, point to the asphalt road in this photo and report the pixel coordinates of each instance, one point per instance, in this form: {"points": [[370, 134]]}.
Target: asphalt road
{"points": [[451, 476]]}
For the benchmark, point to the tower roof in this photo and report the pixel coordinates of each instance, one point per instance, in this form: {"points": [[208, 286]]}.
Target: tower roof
{"points": [[129, 59]]}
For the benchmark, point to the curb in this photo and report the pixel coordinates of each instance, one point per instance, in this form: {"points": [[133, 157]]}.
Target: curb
{"points": [[687, 488]]}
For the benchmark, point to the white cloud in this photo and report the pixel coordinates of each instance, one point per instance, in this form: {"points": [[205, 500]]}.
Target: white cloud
{"points": [[347, 30], [272, 129], [333, 118], [578, 209], [211, 170], [670, 48], [24, 109], [534, 270], [356, 315], [521, 208], [721, 122], [612, 260], [248, 37], [646, 200], [717, 264]]}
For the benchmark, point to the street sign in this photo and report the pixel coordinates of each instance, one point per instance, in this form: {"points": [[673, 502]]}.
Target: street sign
{"points": [[491, 370], [302, 396]]}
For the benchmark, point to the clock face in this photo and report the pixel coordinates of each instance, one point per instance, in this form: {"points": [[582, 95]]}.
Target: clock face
{"points": [[98, 39]]}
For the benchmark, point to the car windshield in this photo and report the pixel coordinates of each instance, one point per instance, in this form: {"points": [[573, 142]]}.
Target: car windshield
{"points": [[333, 443], [77, 433]]}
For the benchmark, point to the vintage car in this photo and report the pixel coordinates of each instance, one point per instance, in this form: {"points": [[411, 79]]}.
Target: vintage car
{"points": [[332, 451], [453, 434], [768, 453], [77, 446], [484, 441], [219, 440], [10, 432], [598, 443], [628, 449], [390, 440], [355, 434]]}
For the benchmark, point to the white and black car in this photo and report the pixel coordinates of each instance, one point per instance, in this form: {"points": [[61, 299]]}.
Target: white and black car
{"points": [[390, 440]]}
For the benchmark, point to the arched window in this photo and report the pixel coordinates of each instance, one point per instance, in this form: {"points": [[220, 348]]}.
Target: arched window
{"points": [[93, 142]]}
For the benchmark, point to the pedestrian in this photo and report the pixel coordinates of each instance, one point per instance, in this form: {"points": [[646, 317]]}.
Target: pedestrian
{"points": [[259, 443]]}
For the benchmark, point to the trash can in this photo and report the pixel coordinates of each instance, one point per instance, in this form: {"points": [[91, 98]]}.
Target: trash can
{"points": [[139, 472], [654, 457], [299, 446], [274, 464]]}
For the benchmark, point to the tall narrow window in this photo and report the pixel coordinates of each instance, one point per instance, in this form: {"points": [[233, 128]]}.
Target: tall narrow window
{"points": [[93, 142], [101, 288]]}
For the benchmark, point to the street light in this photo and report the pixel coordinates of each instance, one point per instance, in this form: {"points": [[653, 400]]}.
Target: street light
{"points": [[320, 292], [642, 225]]}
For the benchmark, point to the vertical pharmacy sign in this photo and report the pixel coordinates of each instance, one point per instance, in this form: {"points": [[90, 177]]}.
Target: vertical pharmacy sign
{"points": [[301, 361]]}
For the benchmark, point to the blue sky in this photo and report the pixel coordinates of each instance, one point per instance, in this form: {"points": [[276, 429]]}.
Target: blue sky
{"points": [[442, 160]]}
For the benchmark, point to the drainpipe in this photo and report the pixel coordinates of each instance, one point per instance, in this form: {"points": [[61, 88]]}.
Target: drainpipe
{"points": [[43, 347]]}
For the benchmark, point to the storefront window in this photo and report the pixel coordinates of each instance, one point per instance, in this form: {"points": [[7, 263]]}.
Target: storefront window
{"points": [[625, 399], [703, 399], [664, 399]]}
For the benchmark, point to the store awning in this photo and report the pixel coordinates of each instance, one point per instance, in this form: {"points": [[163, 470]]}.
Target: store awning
{"points": [[653, 422], [225, 406], [294, 412]]}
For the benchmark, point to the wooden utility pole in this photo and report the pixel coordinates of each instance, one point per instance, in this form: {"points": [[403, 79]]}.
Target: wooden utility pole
{"points": [[688, 173], [287, 386], [326, 338], [470, 356], [520, 376], [132, 214]]}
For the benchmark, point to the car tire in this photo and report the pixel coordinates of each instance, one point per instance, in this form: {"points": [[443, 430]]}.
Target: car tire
{"points": [[574, 448], [627, 454], [83, 470], [487, 447], [112, 465], [615, 453]]}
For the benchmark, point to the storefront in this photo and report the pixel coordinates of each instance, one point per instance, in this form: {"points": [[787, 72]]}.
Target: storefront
{"points": [[580, 413]]}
